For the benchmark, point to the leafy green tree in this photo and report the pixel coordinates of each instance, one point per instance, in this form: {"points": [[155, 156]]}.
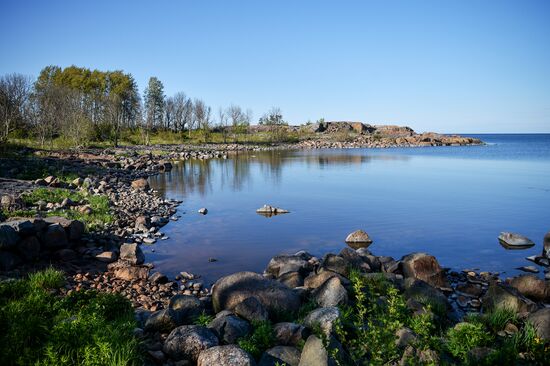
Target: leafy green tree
{"points": [[154, 100]]}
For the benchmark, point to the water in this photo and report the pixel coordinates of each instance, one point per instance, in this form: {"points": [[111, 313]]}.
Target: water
{"points": [[451, 202]]}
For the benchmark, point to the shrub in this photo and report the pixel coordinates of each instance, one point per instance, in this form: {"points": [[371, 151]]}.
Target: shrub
{"points": [[466, 336], [261, 338]]}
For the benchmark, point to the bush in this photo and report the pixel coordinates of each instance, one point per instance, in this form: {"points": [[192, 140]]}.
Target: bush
{"points": [[466, 336], [261, 338], [84, 328]]}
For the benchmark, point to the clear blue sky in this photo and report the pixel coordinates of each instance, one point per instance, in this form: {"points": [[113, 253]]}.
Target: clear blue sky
{"points": [[446, 66]]}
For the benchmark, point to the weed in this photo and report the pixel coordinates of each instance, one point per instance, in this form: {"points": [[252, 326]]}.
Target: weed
{"points": [[261, 338]]}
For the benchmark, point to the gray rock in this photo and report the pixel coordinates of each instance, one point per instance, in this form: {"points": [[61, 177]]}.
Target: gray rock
{"points": [[252, 310], [404, 337], [424, 267], [23, 227], [355, 260], [315, 280], [532, 287], [187, 307], [162, 321], [158, 277], [506, 297], [324, 318], [8, 260], [188, 341], [530, 269], [107, 257], [229, 328], [230, 355], [291, 279], [29, 248], [73, 228], [541, 321], [315, 354], [334, 263], [331, 293], [8, 237], [358, 239], [289, 334], [280, 355], [230, 290], [203, 211], [281, 264], [54, 237], [425, 294], [131, 253], [514, 241], [132, 273], [546, 246]]}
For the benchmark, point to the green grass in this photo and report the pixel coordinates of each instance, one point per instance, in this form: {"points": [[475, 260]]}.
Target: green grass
{"points": [[203, 319], [261, 338], [101, 212], [84, 328]]}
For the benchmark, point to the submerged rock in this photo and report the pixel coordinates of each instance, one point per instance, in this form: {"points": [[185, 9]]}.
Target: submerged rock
{"points": [[203, 211], [514, 241]]}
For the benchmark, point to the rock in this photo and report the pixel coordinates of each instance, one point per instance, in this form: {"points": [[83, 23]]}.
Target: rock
{"points": [[78, 182], [8, 237], [334, 263], [291, 279], [470, 289], [107, 257], [315, 354], [187, 307], [85, 209], [158, 277], [280, 355], [324, 318], [142, 223], [546, 245], [514, 241], [148, 241], [203, 211], [424, 267], [162, 321], [132, 273], [6, 202], [532, 287], [252, 310], [404, 337], [23, 227], [230, 328], [74, 228], [29, 248], [131, 253], [355, 260], [188, 341], [8, 260], [289, 334], [230, 290], [281, 264], [54, 237], [425, 294], [358, 239], [541, 321], [230, 355], [65, 255], [316, 280], [140, 184], [506, 297], [530, 269], [270, 210], [331, 293]]}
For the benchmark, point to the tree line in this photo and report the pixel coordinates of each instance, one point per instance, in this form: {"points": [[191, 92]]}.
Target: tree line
{"points": [[83, 105]]}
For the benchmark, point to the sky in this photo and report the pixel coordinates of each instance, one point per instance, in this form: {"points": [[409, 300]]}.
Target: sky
{"points": [[467, 66]]}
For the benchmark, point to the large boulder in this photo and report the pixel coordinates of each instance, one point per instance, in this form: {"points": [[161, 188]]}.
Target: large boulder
{"points": [[289, 334], [187, 307], [132, 273], [282, 264], [315, 353], [23, 227], [140, 184], [331, 293], [252, 310], [334, 263], [514, 241], [29, 248], [532, 287], [231, 290], [315, 280], [425, 294], [8, 236], [424, 267], [74, 228], [131, 253], [54, 237], [358, 239], [355, 260], [506, 297], [541, 321], [230, 355], [280, 355], [162, 321], [186, 342], [324, 318], [229, 328]]}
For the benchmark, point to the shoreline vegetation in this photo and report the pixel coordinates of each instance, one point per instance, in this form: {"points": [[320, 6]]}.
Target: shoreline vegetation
{"points": [[77, 147]]}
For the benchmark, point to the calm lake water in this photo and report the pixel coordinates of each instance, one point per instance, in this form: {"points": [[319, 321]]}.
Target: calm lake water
{"points": [[451, 202]]}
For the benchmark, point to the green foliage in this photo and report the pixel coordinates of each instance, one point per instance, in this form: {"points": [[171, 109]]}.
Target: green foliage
{"points": [[84, 328], [261, 338], [203, 319], [100, 215], [466, 336]]}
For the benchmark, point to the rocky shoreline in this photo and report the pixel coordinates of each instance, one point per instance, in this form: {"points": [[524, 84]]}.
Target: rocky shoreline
{"points": [[110, 260]]}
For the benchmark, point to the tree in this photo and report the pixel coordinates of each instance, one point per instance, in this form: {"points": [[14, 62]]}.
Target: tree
{"points": [[154, 106], [223, 123], [15, 90], [203, 117], [276, 124]]}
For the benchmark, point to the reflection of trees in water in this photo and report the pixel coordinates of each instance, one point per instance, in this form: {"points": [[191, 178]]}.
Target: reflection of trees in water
{"points": [[197, 175]]}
